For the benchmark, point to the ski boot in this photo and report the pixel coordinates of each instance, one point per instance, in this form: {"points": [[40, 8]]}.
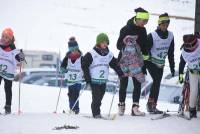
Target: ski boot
{"points": [[7, 109], [76, 111], [135, 111], [151, 108], [97, 116], [121, 108], [193, 112]]}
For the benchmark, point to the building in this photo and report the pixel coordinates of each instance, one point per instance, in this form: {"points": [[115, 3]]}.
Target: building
{"points": [[37, 59]]}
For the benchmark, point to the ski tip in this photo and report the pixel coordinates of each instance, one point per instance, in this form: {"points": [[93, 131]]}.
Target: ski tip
{"points": [[55, 112]]}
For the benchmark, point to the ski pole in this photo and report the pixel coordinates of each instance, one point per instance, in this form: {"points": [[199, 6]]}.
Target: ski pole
{"points": [[19, 103], [77, 99], [114, 92], [61, 83]]}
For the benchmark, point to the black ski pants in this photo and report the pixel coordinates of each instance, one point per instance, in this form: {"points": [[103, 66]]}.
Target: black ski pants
{"points": [[98, 91], [8, 90], [73, 94], [123, 88], [156, 74]]}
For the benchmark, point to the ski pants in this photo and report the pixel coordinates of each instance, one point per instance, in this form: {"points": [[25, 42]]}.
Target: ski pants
{"points": [[73, 93], [8, 90], [136, 90], [98, 91], [194, 80], [156, 74]]}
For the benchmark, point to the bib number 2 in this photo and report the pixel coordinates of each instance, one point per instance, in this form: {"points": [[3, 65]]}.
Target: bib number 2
{"points": [[102, 72]]}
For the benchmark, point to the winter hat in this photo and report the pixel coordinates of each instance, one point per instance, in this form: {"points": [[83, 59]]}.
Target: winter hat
{"points": [[141, 13], [72, 44], [8, 32], [190, 41], [163, 18], [101, 38]]}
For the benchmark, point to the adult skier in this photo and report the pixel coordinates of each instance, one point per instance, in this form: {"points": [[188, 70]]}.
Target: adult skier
{"points": [[132, 43]]}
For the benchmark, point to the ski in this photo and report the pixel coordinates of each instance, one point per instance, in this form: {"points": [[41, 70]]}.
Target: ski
{"points": [[184, 116], [112, 117], [165, 115], [162, 116], [65, 127]]}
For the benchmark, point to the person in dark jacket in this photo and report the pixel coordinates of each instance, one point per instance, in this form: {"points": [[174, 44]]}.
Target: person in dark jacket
{"points": [[72, 68], [9, 58], [191, 55], [133, 34], [96, 70], [161, 43]]}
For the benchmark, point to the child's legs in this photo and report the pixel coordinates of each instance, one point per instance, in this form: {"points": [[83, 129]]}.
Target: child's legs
{"points": [[98, 92], [156, 74], [8, 91], [73, 94], [193, 89]]}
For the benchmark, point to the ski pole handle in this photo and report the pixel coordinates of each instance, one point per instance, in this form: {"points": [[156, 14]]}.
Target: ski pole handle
{"points": [[21, 51]]}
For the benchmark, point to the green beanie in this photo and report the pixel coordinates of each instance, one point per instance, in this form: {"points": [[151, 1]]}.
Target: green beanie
{"points": [[102, 37]]}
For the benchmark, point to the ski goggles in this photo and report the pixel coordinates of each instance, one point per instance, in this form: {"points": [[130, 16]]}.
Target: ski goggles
{"points": [[192, 45]]}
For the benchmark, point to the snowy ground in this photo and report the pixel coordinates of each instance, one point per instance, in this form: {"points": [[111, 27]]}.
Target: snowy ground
{"points": [[38, 104], [47, 25]]}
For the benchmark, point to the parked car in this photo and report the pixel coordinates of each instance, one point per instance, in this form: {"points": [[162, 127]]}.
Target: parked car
{"points": [[30, 79], [55, 82]]}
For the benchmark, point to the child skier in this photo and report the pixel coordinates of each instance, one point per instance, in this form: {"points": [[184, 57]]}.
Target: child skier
{"points": [[71, 65], [132, 43], [96, 71], [191, 55], [8, 63], [161, 43]]}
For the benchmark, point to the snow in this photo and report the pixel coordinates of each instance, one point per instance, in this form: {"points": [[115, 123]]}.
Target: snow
{"points": [[39, 102], [47, 25]]}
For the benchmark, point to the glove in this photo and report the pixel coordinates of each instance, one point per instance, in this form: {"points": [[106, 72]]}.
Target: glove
{"points": [[62, 71], [181, 78], [20, 56], [88, 86], [146, 57]]}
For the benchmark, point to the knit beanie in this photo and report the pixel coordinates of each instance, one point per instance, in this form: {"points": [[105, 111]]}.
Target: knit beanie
{"points": [[101, 38], [72, 44], [190, 41], [8, 32], [141, 13], [163, 18]]}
